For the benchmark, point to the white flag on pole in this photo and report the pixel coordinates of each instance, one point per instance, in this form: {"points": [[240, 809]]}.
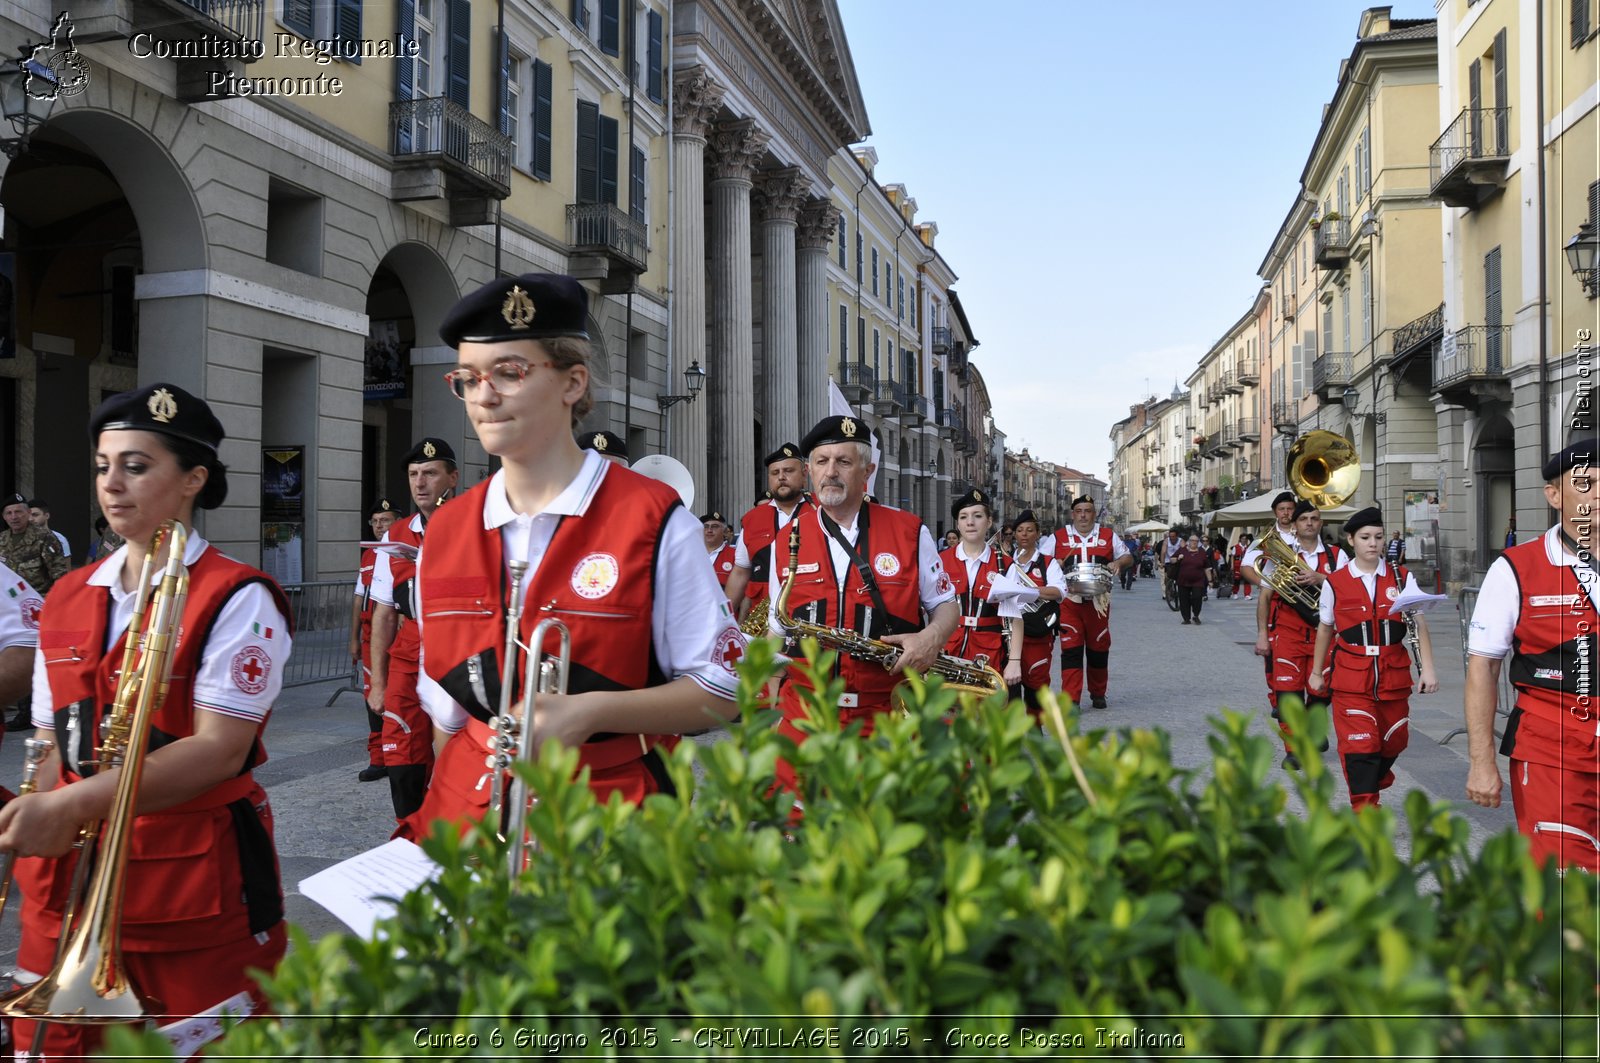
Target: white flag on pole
{"points": [[838, 407]]}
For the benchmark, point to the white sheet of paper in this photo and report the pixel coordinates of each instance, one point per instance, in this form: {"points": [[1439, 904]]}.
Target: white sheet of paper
{"points": [[354, 889], [405, 550], [1421, 601]]}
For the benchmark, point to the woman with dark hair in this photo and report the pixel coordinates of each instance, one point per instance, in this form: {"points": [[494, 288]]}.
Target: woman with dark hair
{"points": [[203, 905], [1194, 572]]}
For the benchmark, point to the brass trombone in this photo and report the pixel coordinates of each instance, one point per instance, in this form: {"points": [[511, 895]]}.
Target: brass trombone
{"points": [[89, 983], [512, 742]]}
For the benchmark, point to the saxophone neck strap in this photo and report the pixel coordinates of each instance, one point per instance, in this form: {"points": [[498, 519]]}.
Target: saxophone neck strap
{"points": [[863, 570]]}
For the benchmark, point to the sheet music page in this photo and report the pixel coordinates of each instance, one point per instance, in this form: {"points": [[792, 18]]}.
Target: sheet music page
{"points": [[405, 550], [353, 889], [1421, 601]]}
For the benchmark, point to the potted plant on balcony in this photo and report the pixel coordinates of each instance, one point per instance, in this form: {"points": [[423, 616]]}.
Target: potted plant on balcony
{"points": [[1316, 223], [1199, 440]]}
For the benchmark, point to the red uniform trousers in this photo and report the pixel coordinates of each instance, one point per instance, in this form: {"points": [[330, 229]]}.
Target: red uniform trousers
{"points": [[1035, 669], [407, 727], [1084, 633], [1371, 735], [1290, 646], [791, 710], [459, 792], [180, 984], [374, 721], [1555, 789]]}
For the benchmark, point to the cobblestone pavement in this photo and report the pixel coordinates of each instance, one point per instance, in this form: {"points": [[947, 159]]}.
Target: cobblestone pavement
{"points": [[1163, 675]]}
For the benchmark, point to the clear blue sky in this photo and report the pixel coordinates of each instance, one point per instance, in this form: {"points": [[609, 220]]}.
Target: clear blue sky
{"points": [[1106, 178]]}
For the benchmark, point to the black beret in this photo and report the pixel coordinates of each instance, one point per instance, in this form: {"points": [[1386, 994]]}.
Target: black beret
{"points": [[530, 307], [1579, 455], [1080, 500], [787, 452], [712, 516], [1282, 497], [15, 499], [973, 497], [1025, 517], [431, 448], [605, 442], [1371, 517], [1302, 507], [382, 505], [836, 429], [163, 408]]}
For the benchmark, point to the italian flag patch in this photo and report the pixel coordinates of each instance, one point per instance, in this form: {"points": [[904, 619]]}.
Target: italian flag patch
{"points": [[16, 591], [264, 632]]}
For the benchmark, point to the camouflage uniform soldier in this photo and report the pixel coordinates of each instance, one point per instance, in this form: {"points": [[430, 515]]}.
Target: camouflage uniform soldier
{"points": [[33, 554]]}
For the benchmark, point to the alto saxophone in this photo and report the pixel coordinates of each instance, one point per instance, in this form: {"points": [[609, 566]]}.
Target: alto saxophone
{"points": [[973, 677]]}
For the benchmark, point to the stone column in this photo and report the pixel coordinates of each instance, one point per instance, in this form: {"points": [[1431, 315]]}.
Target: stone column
{"points": [[779, 194], [735, 147], [695, 98], [818, 220]]}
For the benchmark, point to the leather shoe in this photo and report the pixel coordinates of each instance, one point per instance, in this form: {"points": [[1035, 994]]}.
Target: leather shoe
{"points": [[22, 721], [1097, 701], [1291, 763], [372, 773]]}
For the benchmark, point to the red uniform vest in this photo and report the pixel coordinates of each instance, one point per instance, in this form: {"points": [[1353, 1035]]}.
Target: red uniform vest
{"points": [[980, 631], [1554, 645], [404, 571], [1041, 622], [1283, 620], [1369, 649], [1068, 552], [201, 873], [888, 541], [759, 527], [723, 564]]}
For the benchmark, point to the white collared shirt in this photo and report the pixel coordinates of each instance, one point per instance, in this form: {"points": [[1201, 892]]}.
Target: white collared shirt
{"points": [[19, 613], [250, 629], [1499, 607], [1369, 580], [1252, 556], [689, 615], [382, 574], [741, 553], [1069, 544]]}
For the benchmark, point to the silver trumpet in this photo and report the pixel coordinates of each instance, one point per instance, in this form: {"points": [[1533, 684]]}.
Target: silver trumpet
{"points": [[512, 741]]}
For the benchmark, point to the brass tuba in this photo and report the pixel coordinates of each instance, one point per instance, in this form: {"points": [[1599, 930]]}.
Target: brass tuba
{"points": [[512, 741], [1324, 469], [972, 677], [89, 982]]}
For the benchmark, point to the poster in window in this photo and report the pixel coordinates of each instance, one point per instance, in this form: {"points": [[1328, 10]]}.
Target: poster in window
{"points": [[283, 483], [1422, 526], [384, 376]]}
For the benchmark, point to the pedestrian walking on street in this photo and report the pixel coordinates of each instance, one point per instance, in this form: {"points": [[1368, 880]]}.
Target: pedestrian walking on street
{"points": [[1194, 574]]}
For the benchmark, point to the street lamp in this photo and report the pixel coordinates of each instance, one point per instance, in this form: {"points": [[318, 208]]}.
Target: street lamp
{"points": [[694, 378], [1581, 257], [26, 106]]}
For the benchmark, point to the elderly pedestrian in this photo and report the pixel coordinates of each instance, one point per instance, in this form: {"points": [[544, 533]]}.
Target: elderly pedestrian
{"points": [[1194, 573]]}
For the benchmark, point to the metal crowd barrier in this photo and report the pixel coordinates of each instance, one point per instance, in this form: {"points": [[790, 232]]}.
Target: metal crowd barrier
{"points": [[322, 635], [1506, 697]]}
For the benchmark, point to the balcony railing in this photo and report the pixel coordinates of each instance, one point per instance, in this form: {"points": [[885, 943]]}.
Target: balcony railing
{"points": [[1248, 428], [1332, 245], [1467, 164], [941, 339], [1286, 417], [1472, 361], [604, 229], [241, 18], [947, 422], [1232, 384], [918, 409], [436, 132], [857, 381], [1230, 436], [1330, 375], [1245, 372], [889, 398]]}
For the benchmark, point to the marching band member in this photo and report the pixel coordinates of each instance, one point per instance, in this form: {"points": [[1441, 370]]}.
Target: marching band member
{"points": [[203, 905], [1039, 625], [1086, 625], [1540, 604], [718, 549], [763, 525], [854, 570], [1288, 639], [1240, 548], [611, 554], [1371, 667], [408, 753], [609, 445], [1283, 506], [972, 565], [379, 518]]}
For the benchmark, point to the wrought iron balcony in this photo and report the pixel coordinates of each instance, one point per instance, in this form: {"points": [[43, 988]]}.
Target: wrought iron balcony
{"points": [[1467, 164], [857, 381], [889, 400], [1230, 436], [1286, 417], [1188, 504], [918, 409], [441, 151], [941, 339], [947, 422], [1248, 429], [1286, 306], [608, 245], [1470, 364], [1245, 372], [1330, 375], [1331, 249], [1230, 384], [233, 26], [1411, 357], [1191, 460]]}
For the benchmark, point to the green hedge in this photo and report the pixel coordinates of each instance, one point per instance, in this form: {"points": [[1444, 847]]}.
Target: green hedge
{"points": [[954, 888]]}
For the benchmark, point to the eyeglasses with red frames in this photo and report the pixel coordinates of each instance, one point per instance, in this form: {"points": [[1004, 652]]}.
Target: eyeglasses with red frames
{"points": [[505, 377]]}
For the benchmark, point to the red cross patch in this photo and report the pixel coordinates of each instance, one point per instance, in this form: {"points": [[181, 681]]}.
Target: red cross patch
{"points": [[251, 666], [729, 650], [30, 612]]}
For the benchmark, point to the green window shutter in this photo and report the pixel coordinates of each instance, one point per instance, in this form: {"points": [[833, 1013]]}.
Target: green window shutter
{"points": [[608, 160], [405, 25], [347, 26], [844, 333], [588, 153], [502, 62], [580, 14], [1502, 127], [653, 80], [1492, 311], [1580, 21], [458, 60], [543, 115], [636, 171], [1475, 103], [298, 16], [610, 27]]}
